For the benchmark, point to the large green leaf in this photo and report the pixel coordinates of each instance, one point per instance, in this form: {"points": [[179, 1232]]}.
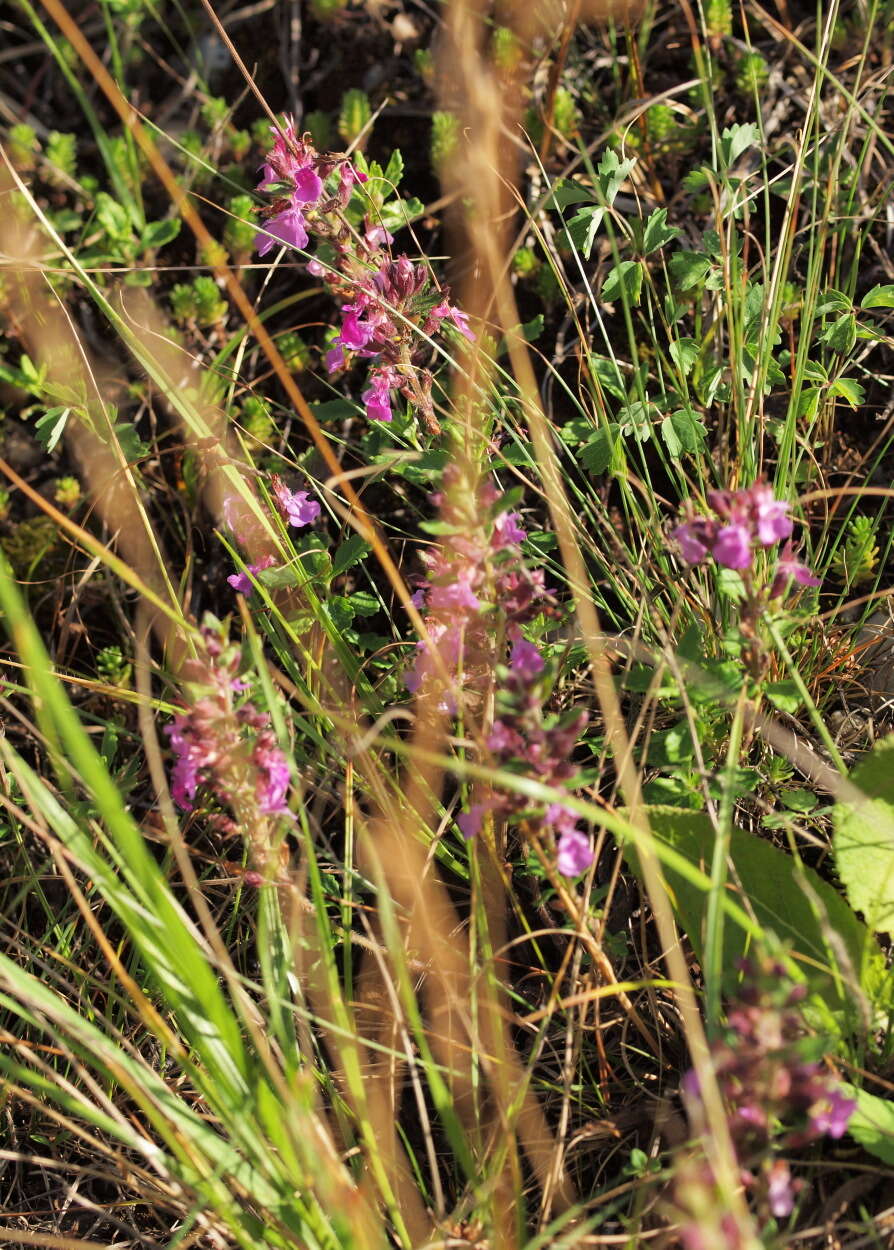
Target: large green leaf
{"points": [[836, 953], [864, 838]]}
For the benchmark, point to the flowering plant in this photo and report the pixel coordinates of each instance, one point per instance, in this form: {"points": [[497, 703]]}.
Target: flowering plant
{"points": [[390, 306]]}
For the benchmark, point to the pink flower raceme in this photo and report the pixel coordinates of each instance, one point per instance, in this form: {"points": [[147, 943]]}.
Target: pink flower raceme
{"points": [[776, 1097], [388, 306], [743, 521], [225, 745]]}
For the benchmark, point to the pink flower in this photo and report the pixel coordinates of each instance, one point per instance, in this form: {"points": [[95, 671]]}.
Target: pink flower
{"points": [[453, 598], [773, 521], [355, 333], [832, 1115], [507, 531], [574, 853], [788, 567], [378, 395], [445, 312], [470, 822], [525, 660], [297, 508], [308, 187], [377, 236], [691, 538], [732, 547], [780, 1194], [335, 359], [273, 776], [287, 227], [241, 582]]}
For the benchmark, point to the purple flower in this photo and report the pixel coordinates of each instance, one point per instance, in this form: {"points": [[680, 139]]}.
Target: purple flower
{"points": [[690, 537], [470, 822], [308, 186], [445, 312], [507, 531], [273, 776], [773, 521], [525, 660], [732, 547], [335, 358], [378, 396], [575, 854], [287, 227], [453, 598], [832, 1115], [241, 582], [355, 333], [377, 236], [789, 567], [780, 1193], [296, 506]]}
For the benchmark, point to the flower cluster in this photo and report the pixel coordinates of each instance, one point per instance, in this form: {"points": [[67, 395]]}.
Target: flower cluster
{"points": [[521, 734], [224, 742], [776, 1096], [296, 509], [477, 596], [390, 306], [744, 521]]}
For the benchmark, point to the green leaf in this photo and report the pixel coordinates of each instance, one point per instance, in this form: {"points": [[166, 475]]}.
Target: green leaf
{"points": [[832, 301], [657, 232], [580, 232], [596, 455], [688, 269], [567, 193], [157, 233], [784, 695], [841, 335], [113, 217], [850, 390], [394, 170], [786, 897], [737, 139], [878, 297], [49, 428], [637, 419], [624, 280], [364, 604], [349, 553], [864, 838], [612, 173], [684, 354], [683, 431], [872, 1124]]}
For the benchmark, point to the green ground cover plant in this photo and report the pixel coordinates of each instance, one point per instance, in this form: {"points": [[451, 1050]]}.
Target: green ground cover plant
{"points": [[445, 790]]}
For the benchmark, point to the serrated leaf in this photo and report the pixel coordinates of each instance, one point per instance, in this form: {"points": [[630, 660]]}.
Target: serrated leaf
{"points": [[567, 193], [636, 419], [683, 431], [113, 217], [879, 297], [596, 455], [841, 335], [350, 552], [50, 427], [394, 170], [864, 838], [626, 278], [737, 139], [850, 390], [657, 232], [580, 232], [684, 354], [613, 172], [687, 269]]}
